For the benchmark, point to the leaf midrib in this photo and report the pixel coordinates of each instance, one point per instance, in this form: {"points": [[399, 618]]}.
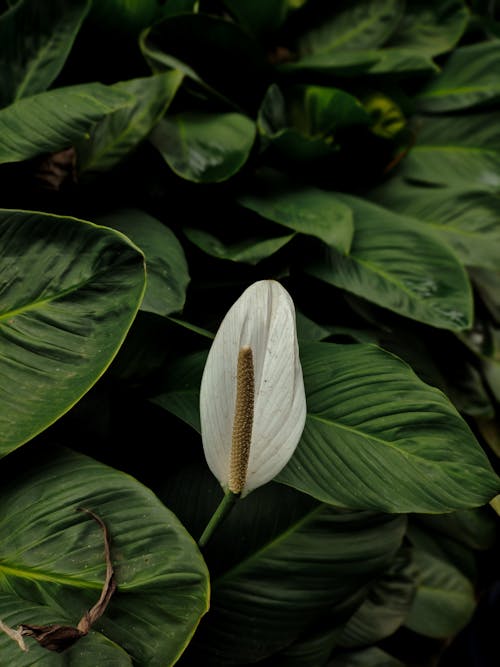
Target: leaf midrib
{"points": [[38, 575]]}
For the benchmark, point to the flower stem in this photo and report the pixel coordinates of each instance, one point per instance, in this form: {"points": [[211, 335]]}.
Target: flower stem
{"points": [[225, 506]]}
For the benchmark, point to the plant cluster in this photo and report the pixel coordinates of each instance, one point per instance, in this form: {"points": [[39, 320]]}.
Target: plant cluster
{"points": [[156, 160]]}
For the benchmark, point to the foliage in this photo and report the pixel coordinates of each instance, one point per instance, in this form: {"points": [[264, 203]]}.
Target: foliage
{"points": [[152, 168]]}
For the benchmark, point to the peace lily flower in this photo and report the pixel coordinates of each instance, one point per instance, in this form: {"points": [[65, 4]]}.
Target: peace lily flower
{"points": [[252, 399]]}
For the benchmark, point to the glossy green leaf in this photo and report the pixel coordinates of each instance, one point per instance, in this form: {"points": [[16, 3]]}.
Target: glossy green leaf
{"points": [[70, 293], [365, 24], [444, 601], [462, 151], [249, 251], [120, 132], [52, 564], [469, 78], [386, 606], [54, 120], [205, 147], [467, 220], [377, 437], [316, 565], [35, 40], [399, 265], [431, 27], [305, 209], [166, 265]]}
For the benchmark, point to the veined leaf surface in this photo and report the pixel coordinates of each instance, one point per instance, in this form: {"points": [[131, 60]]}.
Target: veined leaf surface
{"points": [[70, 291]]}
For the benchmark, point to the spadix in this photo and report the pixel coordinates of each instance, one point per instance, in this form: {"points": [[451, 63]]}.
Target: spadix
{"points": [[252, 399]]}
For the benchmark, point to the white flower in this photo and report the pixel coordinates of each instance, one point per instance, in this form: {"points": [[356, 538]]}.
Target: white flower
{"points": [[252, 399]]}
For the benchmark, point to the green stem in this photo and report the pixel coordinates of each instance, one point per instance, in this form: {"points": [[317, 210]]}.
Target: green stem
{"points": [[225, 506]]}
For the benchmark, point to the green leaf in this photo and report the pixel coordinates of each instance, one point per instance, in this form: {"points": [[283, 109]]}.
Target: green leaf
{"points": [[469, 78], [365, 24], [70, 293], [52, 563], [444, 601], [466, 220], [166, 265], [205, 147], [336, 63], [249, 251], [317, 565], [259, 17], [35, 40], [385, 607], [398, 264], [180, 390], [462, 151], [310, 650], [120, 132], [307, 210], [431, 27], [215, 56], [54, 120], [488, 285], [377, 437], [368, 657], [474, 528]]}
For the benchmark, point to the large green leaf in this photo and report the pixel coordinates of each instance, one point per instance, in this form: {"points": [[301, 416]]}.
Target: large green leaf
{"points": [[205, 147], [167, 269], [311, 565], [398, 264], [377, 437], [444, 601], [52, 564], [469, 78], [54, 120], [35, 40], [431, 27], [467, 220], [305, 209], [456, 150], [120, 132], [70, 291], [365, 24]]}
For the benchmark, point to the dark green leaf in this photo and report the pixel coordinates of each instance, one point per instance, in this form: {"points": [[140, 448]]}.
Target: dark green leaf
{"points": [[314, 567], [386, 606], [35, 40], [120, 132], [70, 291], [205, 147], [470, 77], [52, 564], [304, 209], [398, 264], [368, 657], [375, 437], [456, 150], [467, 220], [166, 265], [365, 24], [259, 17], [215, 55], [249, 251], [431, 27], [54, 120], [444, 602]]}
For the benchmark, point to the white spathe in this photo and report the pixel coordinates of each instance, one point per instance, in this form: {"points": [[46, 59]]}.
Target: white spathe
{"points": [[263, 318]]}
